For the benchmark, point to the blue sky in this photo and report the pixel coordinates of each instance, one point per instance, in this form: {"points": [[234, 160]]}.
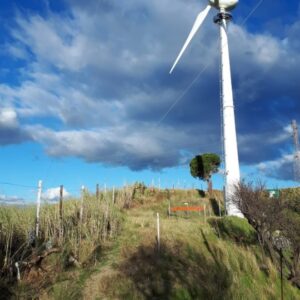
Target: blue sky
{"points": [[84, 89]]}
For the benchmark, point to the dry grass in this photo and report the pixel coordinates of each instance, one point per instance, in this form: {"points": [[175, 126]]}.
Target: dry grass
{"points": [[79, 239], [193, 263], [121, 261]]}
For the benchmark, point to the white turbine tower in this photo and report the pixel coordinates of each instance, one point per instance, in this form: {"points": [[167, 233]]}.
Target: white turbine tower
{"points": [[232, 169]]}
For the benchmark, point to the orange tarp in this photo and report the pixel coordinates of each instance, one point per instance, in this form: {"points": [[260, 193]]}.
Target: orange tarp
{"points": [[187, 208]]}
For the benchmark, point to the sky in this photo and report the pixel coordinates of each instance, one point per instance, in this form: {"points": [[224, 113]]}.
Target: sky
{"points": [[86, 96]]}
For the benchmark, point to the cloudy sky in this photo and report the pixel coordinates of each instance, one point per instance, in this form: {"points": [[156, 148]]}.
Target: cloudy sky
{"points": [[86, 95]]}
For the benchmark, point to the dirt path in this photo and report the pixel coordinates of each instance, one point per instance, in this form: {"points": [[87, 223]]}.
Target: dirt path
{"points": [[139, 231]]}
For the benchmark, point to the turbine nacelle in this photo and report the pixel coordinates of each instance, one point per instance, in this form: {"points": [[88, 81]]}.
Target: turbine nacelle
{"points": [[223, 4]]}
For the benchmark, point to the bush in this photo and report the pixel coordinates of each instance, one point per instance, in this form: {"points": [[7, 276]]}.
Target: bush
{"points": [[234, 228], [139, 188]]}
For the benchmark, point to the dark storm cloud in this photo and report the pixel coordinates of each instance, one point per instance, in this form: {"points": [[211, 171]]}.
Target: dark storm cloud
{"points": [[10, 130], [102, 71], [13, 136], [136, 147], [266, 93]]}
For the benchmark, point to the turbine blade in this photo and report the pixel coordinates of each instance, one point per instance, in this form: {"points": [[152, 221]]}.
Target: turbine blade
{"points": [[199, 20]]}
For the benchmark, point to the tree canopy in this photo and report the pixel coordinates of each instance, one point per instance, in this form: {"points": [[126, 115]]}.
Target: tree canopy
{"points": [[204, 166]]}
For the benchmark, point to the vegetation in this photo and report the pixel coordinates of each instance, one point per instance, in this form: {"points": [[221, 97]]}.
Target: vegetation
{"points": [[199, 257], [193, 262], [277, 223], [72, 237], [234, 228], [204, 166]]}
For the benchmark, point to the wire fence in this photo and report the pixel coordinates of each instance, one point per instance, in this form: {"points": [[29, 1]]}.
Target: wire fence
{"points": [[27, 194]]}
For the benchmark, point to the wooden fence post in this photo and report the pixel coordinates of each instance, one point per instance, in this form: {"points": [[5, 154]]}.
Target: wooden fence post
{"points": [[81, 203], [18, 271], [113, 195], [106, 219], [61, 195], [158, 232], [80, 219], [38, 205], [97, 191]]}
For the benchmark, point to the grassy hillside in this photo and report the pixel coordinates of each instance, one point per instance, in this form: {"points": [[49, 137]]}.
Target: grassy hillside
{"points": [[195, 260]]}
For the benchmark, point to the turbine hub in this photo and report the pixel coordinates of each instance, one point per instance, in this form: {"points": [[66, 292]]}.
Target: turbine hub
{"points": [[218, 19], [224, 5]]}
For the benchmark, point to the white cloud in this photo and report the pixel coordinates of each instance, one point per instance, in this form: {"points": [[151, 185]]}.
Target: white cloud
{"points": [[11, 200], [17, 51], [53, 194], [101, 73], [137, 148], [281, 168], [8, 118], [275, 163]]}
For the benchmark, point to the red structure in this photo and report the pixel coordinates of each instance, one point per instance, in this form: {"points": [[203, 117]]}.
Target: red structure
{"points": [[187, 208]]}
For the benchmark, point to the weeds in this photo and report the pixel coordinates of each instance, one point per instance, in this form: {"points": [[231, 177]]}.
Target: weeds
{"points": [[109, 252], [78, 240]]}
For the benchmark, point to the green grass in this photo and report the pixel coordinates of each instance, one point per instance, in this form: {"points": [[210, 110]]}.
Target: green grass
{"points": [[234, 228], [195, 261]]}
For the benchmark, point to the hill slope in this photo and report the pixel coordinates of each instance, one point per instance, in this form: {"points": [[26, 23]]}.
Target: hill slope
{"points": [[193, 261]]}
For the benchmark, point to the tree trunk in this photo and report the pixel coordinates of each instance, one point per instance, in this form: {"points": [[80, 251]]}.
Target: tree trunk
{"points": [[295, 272], [209, 187], [268, 244]]}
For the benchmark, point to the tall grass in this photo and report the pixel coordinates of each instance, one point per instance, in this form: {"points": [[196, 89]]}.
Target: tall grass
{"points": [[78, 237], [112, 248], [15, 225], [193, 263]]}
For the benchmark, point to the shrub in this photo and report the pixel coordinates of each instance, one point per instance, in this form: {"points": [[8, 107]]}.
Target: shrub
{"points": [[234, 228]]}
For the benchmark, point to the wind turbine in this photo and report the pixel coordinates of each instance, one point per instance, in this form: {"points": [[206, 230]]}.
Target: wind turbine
{"points": [[232, 170]]}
